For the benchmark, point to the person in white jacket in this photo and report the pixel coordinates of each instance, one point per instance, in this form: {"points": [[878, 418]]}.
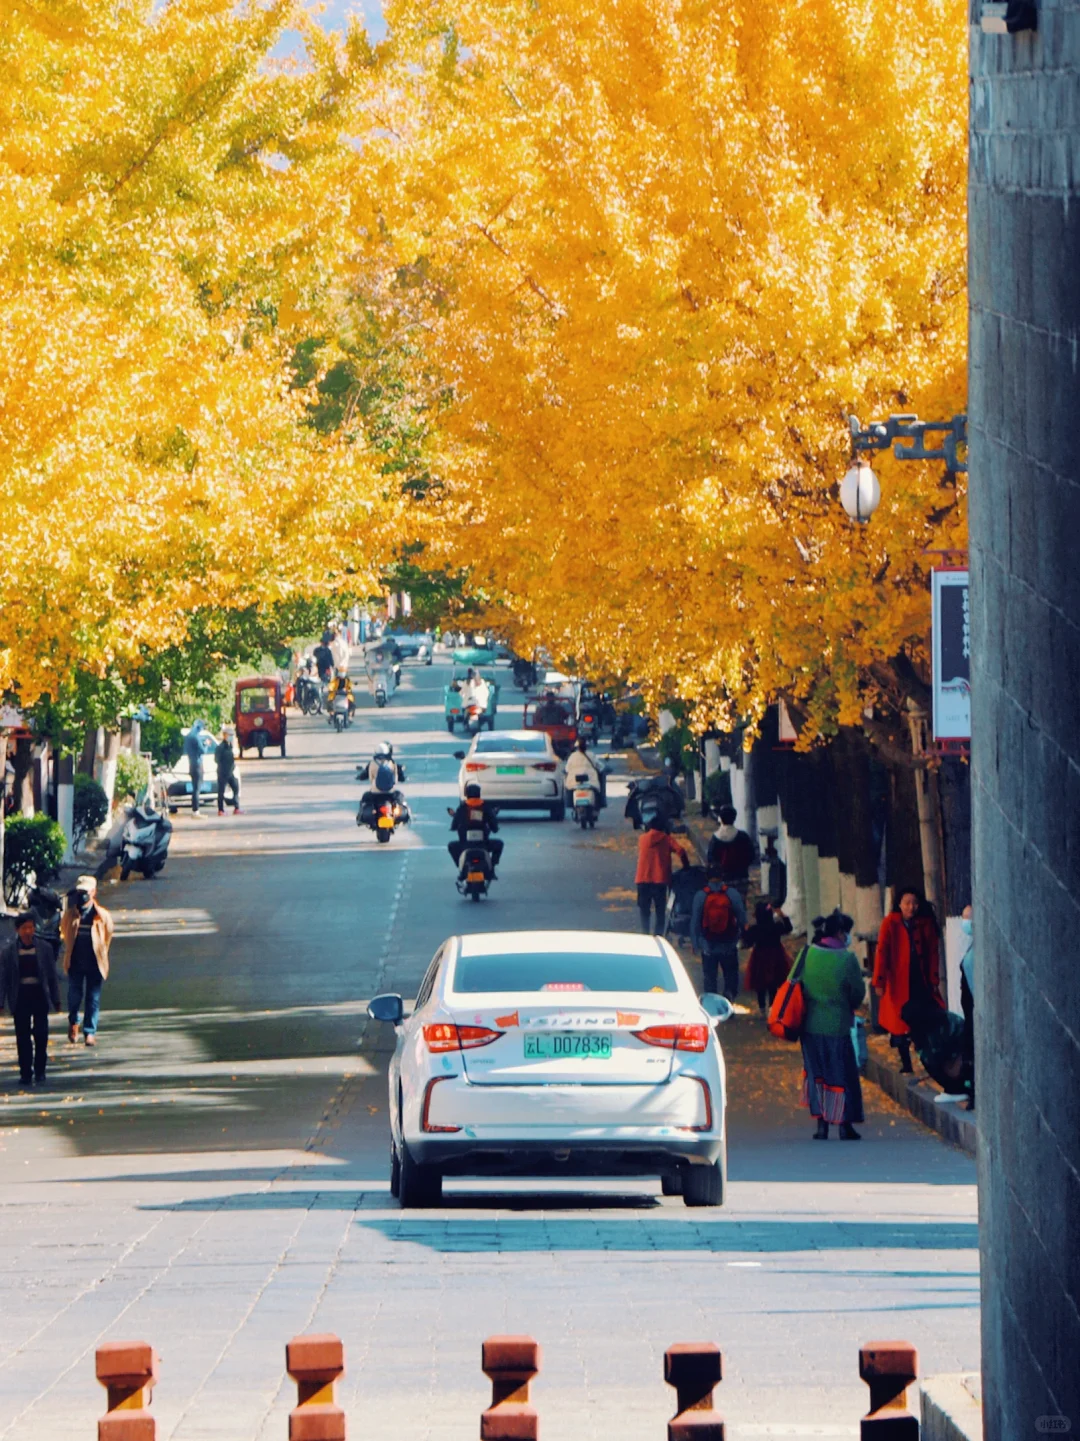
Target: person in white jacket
{"points": [[341, 651]]}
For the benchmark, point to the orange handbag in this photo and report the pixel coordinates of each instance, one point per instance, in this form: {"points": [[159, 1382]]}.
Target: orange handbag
{"points": [[788, 1010]]}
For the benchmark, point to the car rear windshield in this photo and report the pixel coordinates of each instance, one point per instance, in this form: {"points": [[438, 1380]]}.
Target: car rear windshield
{"points": [[563, 971], [528, 745]]}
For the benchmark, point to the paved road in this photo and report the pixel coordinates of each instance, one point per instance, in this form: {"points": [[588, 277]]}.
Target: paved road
{"points": [[214, 1177]]}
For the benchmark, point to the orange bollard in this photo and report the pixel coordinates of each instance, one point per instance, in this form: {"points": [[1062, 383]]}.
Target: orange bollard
{"points": [[315, 1363], [694, 1368], [889, 1368], [128, 1370], [510, 1363]]}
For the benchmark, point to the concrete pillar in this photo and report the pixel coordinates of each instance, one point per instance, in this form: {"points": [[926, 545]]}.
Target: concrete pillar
{"points": [[1024, 263]]}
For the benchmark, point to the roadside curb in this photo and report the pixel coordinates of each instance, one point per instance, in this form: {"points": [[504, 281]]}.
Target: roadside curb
{"points": [[952, 1408], [918, 1097]]}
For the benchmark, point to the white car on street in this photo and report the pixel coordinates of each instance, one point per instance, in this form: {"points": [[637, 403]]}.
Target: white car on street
{"points": [[517, 770], [557, 1054]]}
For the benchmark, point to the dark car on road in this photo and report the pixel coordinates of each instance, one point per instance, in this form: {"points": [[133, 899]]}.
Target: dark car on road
{"points": [[410, 644]]}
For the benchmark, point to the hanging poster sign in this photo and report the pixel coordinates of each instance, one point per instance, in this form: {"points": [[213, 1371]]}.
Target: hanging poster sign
{"points": [[952, 655]]}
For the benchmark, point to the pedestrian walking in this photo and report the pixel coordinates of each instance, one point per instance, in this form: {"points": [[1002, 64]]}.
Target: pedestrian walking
{"points": [[967, 997], [731, 851], [29, 987], [833, 989], [716, 923], [227, 777], [656, 846], [769, 963], [86, 932], [907, 967], [193, 749]]}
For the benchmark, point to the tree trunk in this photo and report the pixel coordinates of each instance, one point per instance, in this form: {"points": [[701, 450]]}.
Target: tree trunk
{"points": [[926, 801], [88, 759], [23, 783], [903, 850]]}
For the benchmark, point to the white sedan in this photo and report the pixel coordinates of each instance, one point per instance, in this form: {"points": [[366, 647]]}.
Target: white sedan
{"points": [[517, 770], [557, 1053]]}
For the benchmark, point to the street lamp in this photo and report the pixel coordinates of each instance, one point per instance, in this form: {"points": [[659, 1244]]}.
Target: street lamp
{"points": [[860, 493], [859, 489]]}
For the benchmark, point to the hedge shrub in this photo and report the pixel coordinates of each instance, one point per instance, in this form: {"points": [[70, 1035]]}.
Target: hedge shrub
{"points": [[34, 848]]}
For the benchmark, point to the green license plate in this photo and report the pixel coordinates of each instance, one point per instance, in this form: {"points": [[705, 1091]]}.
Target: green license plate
{"points": [[509, 770], [569, 1045]]}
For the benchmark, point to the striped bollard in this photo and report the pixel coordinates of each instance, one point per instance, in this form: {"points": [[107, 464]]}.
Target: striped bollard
{"points": [[889, 1368], [128, 1370], [694, 1368], [510, 1363], [315, 1363]]}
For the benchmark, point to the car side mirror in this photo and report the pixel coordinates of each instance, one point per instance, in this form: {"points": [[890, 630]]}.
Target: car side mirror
{"points": [[388, 1008], [459, 755], [719, 1007]]}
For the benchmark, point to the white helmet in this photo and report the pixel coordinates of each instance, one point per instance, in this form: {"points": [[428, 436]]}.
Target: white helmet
{"points": [[384, 749]]}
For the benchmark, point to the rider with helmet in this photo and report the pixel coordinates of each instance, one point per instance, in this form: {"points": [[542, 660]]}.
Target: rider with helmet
{"points": [[475, 814], [341, 684]]}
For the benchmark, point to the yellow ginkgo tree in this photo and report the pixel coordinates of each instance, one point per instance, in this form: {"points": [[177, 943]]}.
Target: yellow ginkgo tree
{"points": [[177, 212], [657, 250]]}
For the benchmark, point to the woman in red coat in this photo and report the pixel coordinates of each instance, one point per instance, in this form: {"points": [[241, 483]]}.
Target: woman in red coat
{"points": [[907, 965]]}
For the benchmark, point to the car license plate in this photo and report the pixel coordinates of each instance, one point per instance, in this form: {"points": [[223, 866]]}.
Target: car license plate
{"points": [[570, 1045], [509, 770]]}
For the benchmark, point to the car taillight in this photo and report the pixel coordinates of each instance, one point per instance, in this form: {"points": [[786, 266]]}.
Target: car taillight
{"points": [[476, 766], [445, 1036], [675, 1038], [544, 766]]}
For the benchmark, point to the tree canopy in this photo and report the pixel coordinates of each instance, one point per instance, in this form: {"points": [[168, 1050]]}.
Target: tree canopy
{"points": [[664, 248], [175, 219]]}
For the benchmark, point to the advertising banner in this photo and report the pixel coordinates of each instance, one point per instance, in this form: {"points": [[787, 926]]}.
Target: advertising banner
{"points": [[951, 655]]}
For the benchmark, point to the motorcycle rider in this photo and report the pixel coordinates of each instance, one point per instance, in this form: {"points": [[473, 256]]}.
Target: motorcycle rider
{"points": [[377, 773], [658, 795], [341, 685], [324, 660], [580, 763], [473, 814]]}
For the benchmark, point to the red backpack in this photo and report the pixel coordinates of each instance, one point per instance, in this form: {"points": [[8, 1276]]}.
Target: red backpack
{"points": [[718, 920]]}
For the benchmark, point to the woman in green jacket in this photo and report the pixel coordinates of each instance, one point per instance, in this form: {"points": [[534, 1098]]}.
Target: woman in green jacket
{"points": [[834, 988]]}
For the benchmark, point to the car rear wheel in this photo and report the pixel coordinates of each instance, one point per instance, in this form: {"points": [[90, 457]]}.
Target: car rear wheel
{"points": [[420, 1186], [671, 1185], [705, 1185], [558, 813]]}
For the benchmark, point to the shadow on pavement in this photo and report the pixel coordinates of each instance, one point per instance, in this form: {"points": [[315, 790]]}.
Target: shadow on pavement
{"points": [[647, 1231]]}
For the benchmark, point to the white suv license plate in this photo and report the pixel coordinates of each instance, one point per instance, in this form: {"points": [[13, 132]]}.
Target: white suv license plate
{"points": [[569, 1045]]}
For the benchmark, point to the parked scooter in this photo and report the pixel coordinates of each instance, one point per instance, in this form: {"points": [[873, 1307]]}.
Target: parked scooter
{"points": [[308, 692], [139, 843]]}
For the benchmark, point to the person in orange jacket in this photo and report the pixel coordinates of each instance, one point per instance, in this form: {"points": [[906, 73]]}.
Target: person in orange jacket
{"points": [[653, 876], [907, 966]]}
